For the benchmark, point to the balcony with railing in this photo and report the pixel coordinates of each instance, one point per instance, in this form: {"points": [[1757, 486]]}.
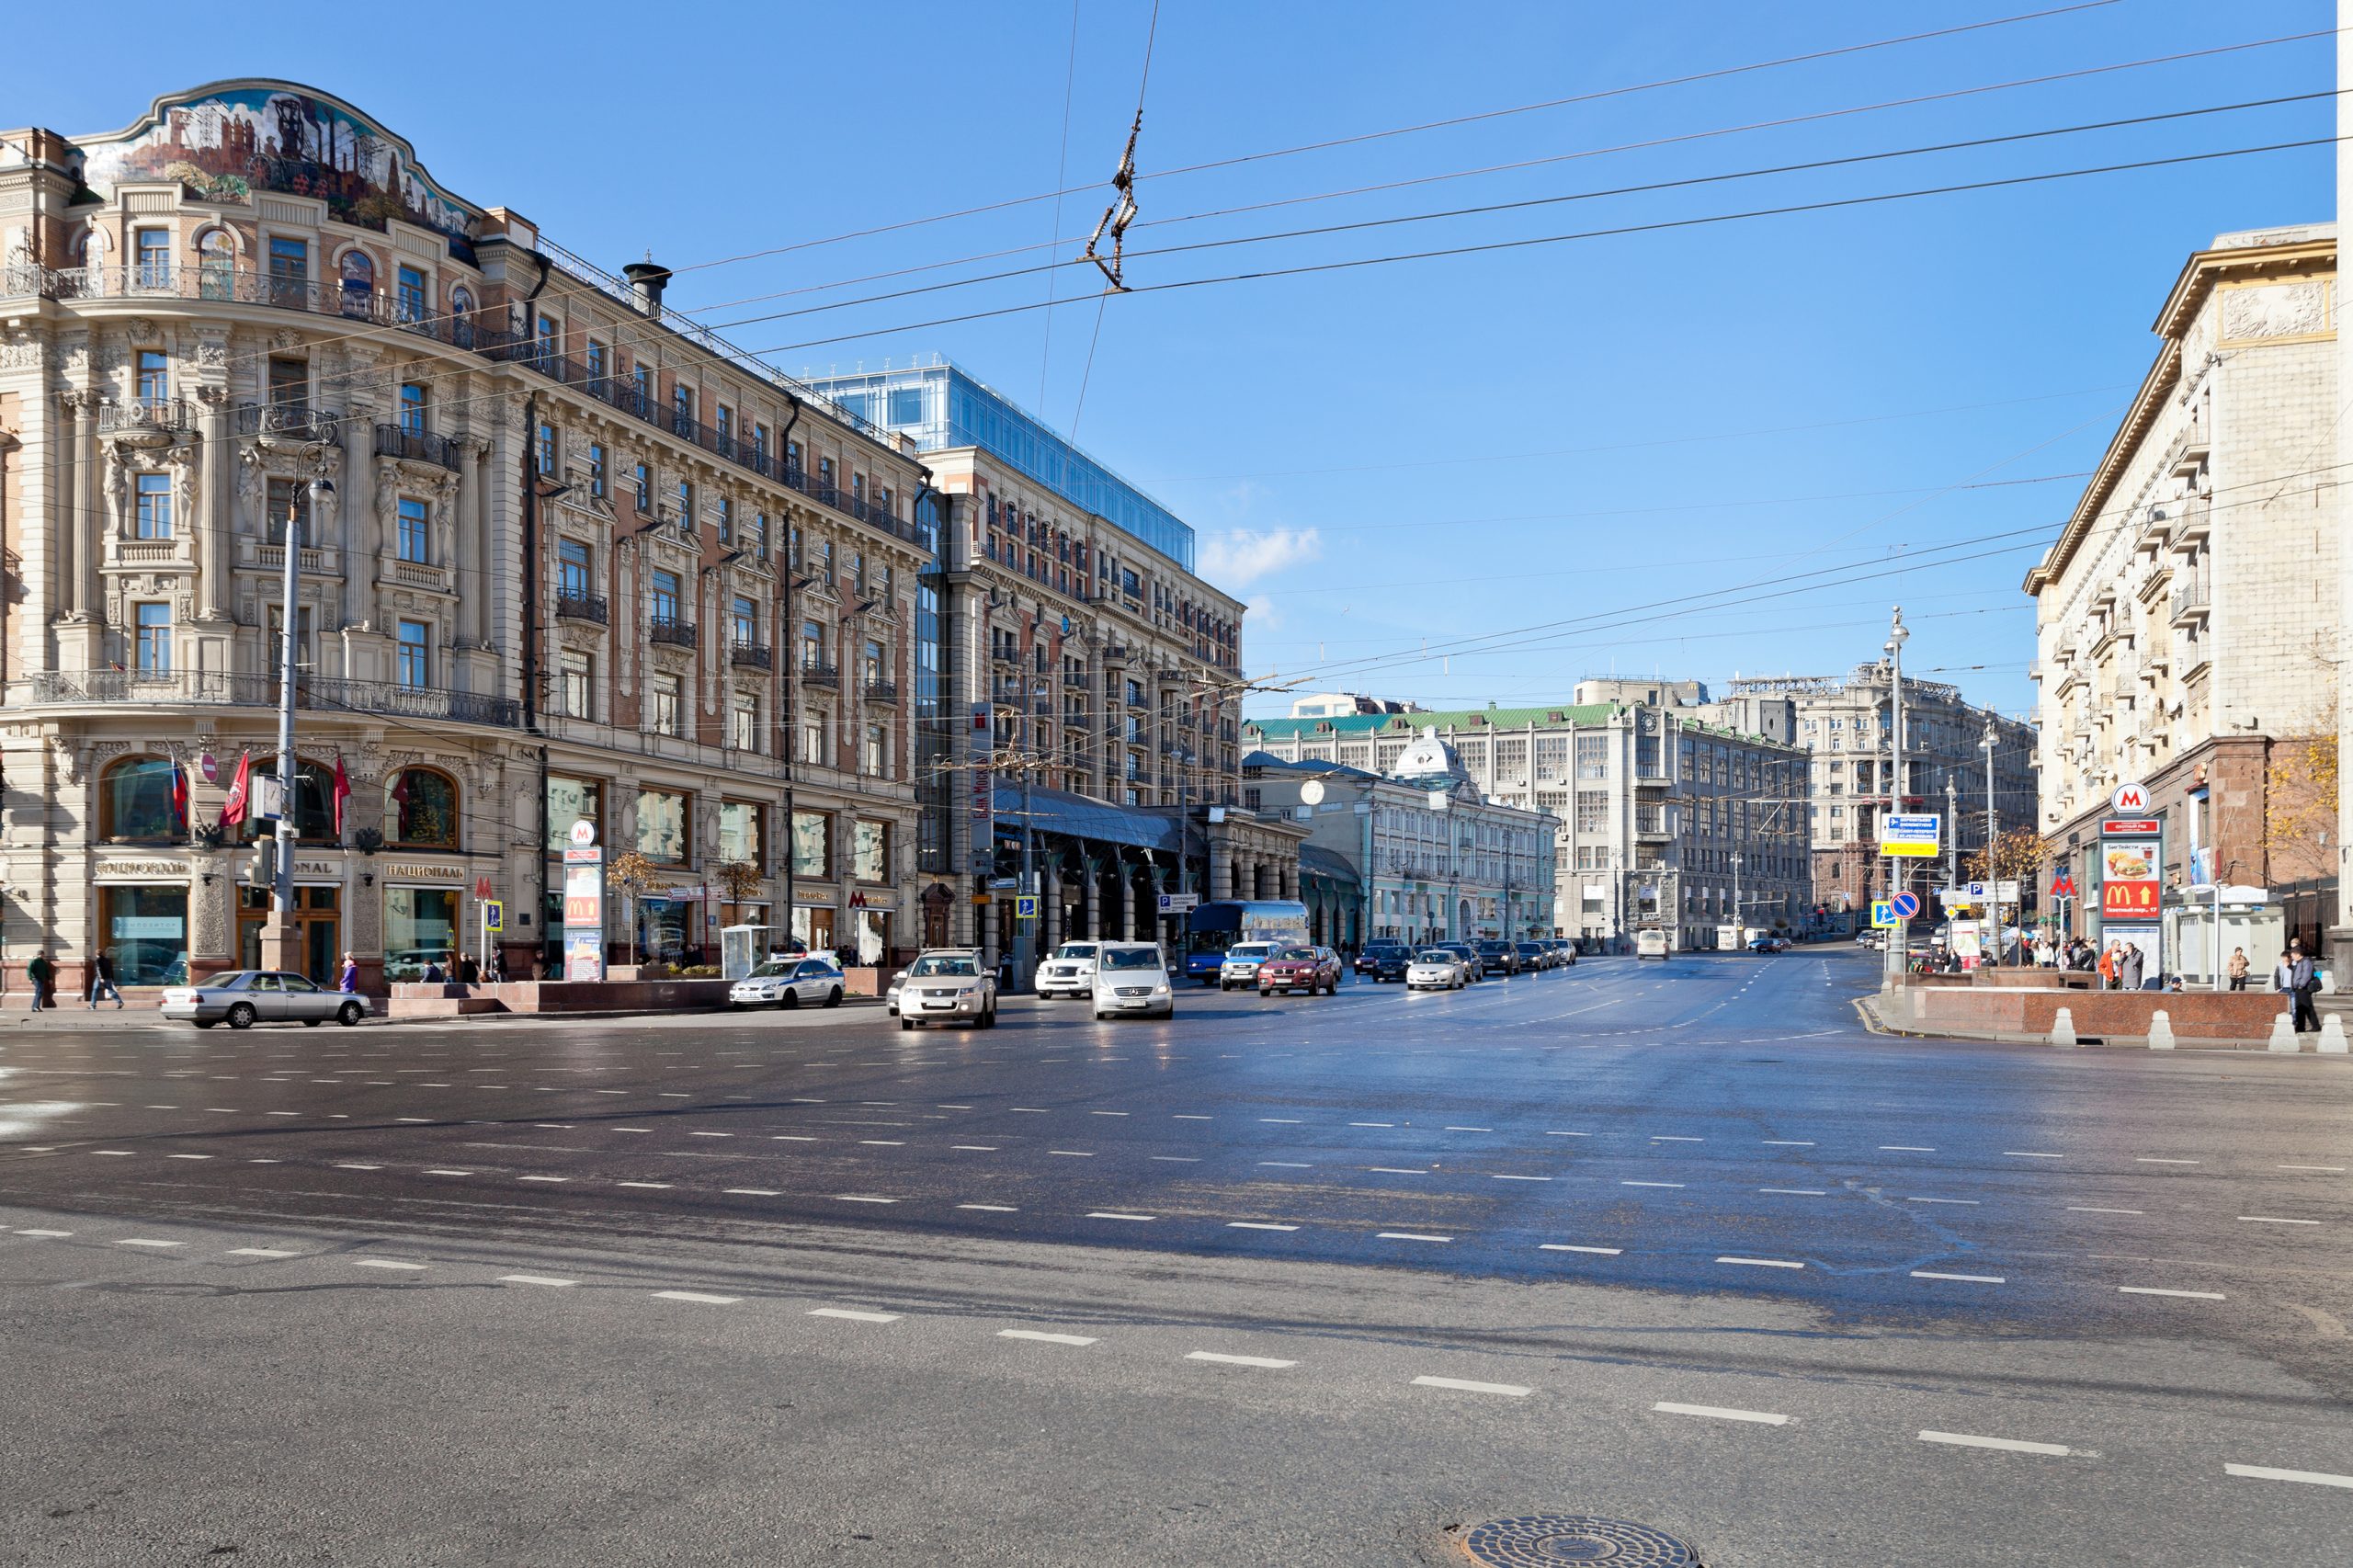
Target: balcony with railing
{"points": [[883, 691], [750, 656], [145, 421], [826, 676], [292, 423], [416, 446], [671, 633], [590, 607], [2193, 597], [218, 688]]}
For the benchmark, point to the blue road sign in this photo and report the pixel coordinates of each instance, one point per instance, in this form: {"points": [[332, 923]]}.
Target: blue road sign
{"points": [[1907, 904]]}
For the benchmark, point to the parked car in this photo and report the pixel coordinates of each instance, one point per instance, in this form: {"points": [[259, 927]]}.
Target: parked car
{"points": [[1564, 953], [1437, 969], [787, 983], [1300, 969], [945, 985], [1068, 972], [1384, 959], [1132, 977], [1241, 965], [1496, 957], [245, 997]]}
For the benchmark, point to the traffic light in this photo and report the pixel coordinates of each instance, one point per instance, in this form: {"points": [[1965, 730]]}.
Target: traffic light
{"points": [[261, 866]]}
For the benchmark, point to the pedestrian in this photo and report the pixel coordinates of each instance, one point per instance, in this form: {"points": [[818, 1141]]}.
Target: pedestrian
{"points": [[433, 974], [2131, 966], [495, 972], [2238, 969], [2107, 968], [469, 972], [348, 981], [43, 976], [2296, 976], [102, 978]]}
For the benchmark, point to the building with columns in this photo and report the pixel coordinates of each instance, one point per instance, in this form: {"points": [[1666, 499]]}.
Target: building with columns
{"points": [[581, 560], [2187, 617], [1078, 653]]}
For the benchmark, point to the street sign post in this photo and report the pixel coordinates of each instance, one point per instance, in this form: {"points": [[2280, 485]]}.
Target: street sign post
{"points": [[1025, 906], [1919, 836], [1179, 902], [493, 919], [1904, 905], [1883, 913]]}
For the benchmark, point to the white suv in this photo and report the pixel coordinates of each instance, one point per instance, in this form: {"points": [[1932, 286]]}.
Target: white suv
{"points": [[1241, 965], [1069, 972], [1132, 977]]}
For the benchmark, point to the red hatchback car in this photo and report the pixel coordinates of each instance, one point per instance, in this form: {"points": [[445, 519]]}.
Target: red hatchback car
{"points": [[1300, 969]]}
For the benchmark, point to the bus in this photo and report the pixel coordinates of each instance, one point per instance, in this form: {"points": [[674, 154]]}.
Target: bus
{"points": [[1650, 942], [1212, 929]]}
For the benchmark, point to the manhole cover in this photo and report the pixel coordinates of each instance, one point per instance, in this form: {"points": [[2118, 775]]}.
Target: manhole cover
{"points": [[1546, 1541]]}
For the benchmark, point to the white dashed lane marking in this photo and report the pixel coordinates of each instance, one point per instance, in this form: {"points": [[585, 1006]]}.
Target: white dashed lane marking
{"points": [[2006, 1445], [1510, 1391], [1721, 1413], [853, 1315], [534, 1279], [1040, 1336], [701, 1296], [146, 1242], [2159, 1290], [1565, 1247], [387, 1263], [1225, 1360], [1964, 1279], [2265, 1472], [1410, 1236], [1761, 1262]]}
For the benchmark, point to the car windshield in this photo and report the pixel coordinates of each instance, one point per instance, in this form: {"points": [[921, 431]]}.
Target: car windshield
{"points": [[1298, 955], [1077, 950], [933, 968], [1433, 955], [772, 969], [1249, 950], [1130, 958], [237, 981]]}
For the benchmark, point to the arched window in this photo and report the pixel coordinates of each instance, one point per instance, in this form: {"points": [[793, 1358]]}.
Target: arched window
{"points": [[462, 316], [143, 799], [421, 809], [359, 282], [313, 802], [216, 264]]}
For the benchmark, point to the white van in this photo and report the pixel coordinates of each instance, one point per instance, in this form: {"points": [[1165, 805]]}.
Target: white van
{"points": [[1132, 977], [1650, 944]]}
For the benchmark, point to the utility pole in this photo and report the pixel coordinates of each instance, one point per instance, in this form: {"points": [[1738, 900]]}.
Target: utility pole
{"points": [[1952, 831], [1023, 931], [1899, 944], [1991, 739], [1739, 926], [280, 946]]}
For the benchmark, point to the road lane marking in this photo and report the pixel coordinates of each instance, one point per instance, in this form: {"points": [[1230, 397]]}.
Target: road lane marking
{"points": [[1256, 1225], [1797, 1191], [2084, 1208], [1181, 1116], [1788, 1142], [548, 1280], [696, 1296], [1040, 1336], [1224, 1360], [387, 1263], [1549, 1134], [755, 1191], [974, 1148], [2272, 1219], [1905, 1149], [147, 1242], [1965, 1202], [1178, 1159], [1289, 1164], [2030, 1154], [1510, 1391], [778, 1137], [2158, 1291], [1277, 1120], [1565, 1247], [2265, 1472], [2334, 1170], [1964, 1279], [44, 1233], [991, 1207], [187, 1156], [1373, 1124], [542, 1178], [448, 1173], [851, 1315], [1073, 1153], [1650, 1184], [355, 1167], [1493, 1177], [1762, 1262], [1470, 1130], [262, 1252], [1721, 1413], [657, 1186], [1673, 1138], [125, 1152], [881, 1142], [1106, 1214], [1410, 1236], [1107, 1113], [1395, 1170], [2006, 1445], [850, 1198]]}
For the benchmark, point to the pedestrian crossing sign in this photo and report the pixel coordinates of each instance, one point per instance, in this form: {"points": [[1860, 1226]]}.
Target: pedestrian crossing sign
{"points": [[1883, 913], [1025, 906]]}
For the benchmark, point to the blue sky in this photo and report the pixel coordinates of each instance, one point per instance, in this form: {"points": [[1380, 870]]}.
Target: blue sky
{"points": [[1412, 454]]}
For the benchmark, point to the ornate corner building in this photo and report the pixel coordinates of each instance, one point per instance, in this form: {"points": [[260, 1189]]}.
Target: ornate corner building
{"points": [[580, 559]]}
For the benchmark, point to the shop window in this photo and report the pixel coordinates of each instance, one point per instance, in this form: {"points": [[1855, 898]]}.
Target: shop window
{"points": [[870, 852], [663, 824], [420, 927], [813, 844], [739, 832], [421, 805], [145, 933], [141, 800]]}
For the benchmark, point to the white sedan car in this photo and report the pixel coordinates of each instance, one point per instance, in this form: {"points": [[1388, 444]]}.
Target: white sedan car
{"points": [[1132, 977], [787, 983], [248, 997], [1435, 969], [1069, 972]]}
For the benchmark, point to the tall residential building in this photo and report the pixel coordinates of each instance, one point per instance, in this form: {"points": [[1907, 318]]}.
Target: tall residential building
{"points": [[1847, 722], [1079, 654], [2187, 616], [569, 536], [1666, 811]]}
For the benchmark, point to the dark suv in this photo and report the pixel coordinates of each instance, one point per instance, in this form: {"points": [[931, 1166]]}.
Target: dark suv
{"points": [[1497, 958], [1384, 960]]}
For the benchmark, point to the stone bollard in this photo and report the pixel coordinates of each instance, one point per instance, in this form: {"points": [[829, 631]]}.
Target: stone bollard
{"points": [[2063, 1028], [2332, 1036], [2283, 1033], [2161, 1030]]}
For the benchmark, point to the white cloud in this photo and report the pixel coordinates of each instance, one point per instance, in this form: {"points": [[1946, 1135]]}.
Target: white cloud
{"points": [[1260, 614], [1243, 555]]}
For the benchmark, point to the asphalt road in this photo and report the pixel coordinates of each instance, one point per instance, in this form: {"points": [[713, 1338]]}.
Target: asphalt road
{"points": [[1676, 1243]]}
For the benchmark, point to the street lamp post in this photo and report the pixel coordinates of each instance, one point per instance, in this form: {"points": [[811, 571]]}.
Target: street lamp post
{"points": [[1739, 930], [1899, 946], [1987, 742], [280, 943]]}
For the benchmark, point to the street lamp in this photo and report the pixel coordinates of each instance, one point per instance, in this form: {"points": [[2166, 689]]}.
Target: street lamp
{"points": [[1898, 949], [281, 948], [1739, 931], [1987, 742]]}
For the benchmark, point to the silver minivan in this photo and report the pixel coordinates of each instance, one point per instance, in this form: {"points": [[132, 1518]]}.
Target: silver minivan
{"points": [[1132, 978]]}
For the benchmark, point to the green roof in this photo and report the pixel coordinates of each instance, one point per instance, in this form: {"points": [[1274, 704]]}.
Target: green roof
{"points": [[1445, 719]]}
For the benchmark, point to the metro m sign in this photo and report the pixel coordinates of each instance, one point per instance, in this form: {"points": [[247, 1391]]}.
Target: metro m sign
{"points": [[2130, 800]]}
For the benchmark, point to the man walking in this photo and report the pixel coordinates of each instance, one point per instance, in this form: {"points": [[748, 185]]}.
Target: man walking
{"points": [[2294, 976], [102, 980], [2238, 969], [43, 976], [2130, 967]]}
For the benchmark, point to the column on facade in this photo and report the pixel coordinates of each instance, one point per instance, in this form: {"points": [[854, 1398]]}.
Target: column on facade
{"points": [[1221, 867], [1090, 897], [1051, 934], [80, 556], [471, 504], [218, 520]]}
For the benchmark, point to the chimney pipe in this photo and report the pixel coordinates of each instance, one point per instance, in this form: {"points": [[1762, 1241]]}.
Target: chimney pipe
{"points": [[648, 280]]}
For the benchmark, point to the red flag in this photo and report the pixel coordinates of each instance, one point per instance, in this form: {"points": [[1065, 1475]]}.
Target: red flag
{"points": [[342, 793], [179, 796], [233, 808], [400, 788]]}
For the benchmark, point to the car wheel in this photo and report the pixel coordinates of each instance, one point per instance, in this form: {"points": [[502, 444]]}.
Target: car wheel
{"points": [[834, 997], [906, 1023], [204, 1023], [790, 1000], [312, 1022], [242, 1016], [988, 1020], [349, 1014]]}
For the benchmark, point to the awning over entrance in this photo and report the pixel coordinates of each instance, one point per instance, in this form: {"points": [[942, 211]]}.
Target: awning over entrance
{"points": [[1077, 816]]}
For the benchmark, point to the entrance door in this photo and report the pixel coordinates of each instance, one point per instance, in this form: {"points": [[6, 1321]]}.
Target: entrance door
{"points": [[318, 929]]}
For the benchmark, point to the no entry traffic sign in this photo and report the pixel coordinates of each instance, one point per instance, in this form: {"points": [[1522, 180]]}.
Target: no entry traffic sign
{"points": [[1906, 905]]}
